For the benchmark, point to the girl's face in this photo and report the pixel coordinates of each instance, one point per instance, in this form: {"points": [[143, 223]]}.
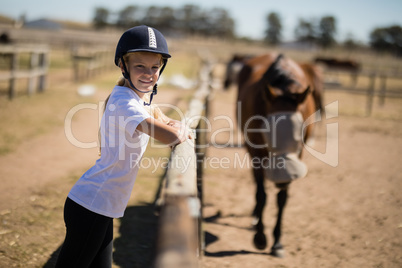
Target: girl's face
{"points": [[144, 69]]}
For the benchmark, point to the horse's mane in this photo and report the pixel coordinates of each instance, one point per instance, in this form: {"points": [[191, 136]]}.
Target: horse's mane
{"points": [[277, 77]]}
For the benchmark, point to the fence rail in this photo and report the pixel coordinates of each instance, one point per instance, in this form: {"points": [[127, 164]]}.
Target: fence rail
{"points": [[381, 91], [38, 62], [180, 238], [88, 62]]}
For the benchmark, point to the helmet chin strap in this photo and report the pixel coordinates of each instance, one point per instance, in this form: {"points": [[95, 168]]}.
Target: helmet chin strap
{"points": [[127, 76]]}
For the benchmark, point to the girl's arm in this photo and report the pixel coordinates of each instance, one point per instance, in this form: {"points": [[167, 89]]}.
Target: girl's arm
{"points": [[158, 114], [170, 134]]}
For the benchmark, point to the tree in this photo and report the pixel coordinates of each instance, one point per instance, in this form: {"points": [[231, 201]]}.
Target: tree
{"points": [[306, 31], [152, 16], [127, 17], [189, 17], [387, 39], [350, 43], [166, 19], [218, 23], [274, 29], [327, 31], [321, 32], [101, 17]]}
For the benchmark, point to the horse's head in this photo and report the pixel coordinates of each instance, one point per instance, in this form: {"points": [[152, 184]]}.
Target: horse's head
{"points": [[286, 90], [285, 86]]}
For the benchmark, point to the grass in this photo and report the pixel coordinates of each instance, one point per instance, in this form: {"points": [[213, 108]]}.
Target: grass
{"points": [[60, 59], [27, 117]]}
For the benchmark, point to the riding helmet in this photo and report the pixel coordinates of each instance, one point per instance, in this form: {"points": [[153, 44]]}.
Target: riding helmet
{"points": [[141, 38]]}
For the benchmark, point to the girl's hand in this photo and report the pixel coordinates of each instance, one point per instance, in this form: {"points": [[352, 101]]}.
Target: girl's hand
{"points": [[171, 133], [174, 123], [185, 133]]}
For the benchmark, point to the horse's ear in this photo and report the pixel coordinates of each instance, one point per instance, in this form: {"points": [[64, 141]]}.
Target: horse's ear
{"points": [[301, 97]]}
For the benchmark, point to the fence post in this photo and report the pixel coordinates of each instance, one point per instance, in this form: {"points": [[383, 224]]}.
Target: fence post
{"points": [[14, 69], [176, 245], [370, 94], [43, 63], [87, 64], [35, 68], [383, 89], [354, 76], [33, 64], [200, 149]]}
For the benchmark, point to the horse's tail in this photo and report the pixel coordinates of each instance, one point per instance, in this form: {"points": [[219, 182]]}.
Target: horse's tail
{"points": [[315, 77]]}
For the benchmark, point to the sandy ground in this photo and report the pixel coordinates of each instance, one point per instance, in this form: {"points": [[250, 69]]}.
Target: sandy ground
{"points": [[343, 216]]}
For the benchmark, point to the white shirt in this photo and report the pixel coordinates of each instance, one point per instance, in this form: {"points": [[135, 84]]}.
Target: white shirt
{"points": [[106, 187]]}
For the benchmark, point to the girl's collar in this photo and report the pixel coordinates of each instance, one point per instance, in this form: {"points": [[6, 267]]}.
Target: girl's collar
{"points": [[137, 97]]}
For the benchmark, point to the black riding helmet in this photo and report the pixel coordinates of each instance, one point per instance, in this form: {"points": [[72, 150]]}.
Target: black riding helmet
{"points": [[141, 38]]}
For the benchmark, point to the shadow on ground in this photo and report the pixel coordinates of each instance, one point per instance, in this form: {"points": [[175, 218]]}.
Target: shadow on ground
{"points": [[134, 248]]}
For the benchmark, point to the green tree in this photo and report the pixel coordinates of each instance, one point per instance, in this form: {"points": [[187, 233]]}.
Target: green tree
{"points": [[152, 16], [218, 23], [166, 19], [327, 31], [101, 17], [188, 18], [306, 31], [387, 39], [274, 29], [350, 42], [127, 17]]}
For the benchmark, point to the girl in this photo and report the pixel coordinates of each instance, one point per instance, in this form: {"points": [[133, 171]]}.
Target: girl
{"points": [[102, 193]]}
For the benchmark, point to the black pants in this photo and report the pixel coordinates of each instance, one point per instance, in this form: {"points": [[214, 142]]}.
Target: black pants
{"points": [[89, 238]]}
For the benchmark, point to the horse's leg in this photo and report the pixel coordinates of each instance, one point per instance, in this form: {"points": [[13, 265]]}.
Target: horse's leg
{"points": [[277, 248], [260, 240]]}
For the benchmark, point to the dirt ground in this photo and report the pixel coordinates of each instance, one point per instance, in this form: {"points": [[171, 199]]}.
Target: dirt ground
{"points": [[344, 216]]}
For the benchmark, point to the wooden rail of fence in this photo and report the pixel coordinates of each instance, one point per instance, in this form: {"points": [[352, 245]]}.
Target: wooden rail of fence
{"points": [[180, 238], [88, 62], [370, 91], [38, 61]]}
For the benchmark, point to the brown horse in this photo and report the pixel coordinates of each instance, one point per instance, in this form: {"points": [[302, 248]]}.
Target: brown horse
{"points": [[275, 97], [237, 62], [338, 64]]}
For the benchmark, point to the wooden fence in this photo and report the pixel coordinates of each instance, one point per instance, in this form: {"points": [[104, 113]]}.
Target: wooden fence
{"points": [[89, 62], [180, 237], [381, 91], [13, 69]]}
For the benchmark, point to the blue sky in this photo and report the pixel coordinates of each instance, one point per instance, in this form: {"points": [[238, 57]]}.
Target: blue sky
{"points": [[355, 17]]}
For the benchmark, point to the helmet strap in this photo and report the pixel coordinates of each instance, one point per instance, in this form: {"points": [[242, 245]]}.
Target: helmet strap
{"points": [[154, 92], [126, 75], [163, 67]]}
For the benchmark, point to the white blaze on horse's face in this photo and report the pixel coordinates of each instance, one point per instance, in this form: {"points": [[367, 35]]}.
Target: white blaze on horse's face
{"points": [[285, 141]]}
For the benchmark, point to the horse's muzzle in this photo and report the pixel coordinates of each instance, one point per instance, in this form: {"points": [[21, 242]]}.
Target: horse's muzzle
{"points": [[285, 142]]}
